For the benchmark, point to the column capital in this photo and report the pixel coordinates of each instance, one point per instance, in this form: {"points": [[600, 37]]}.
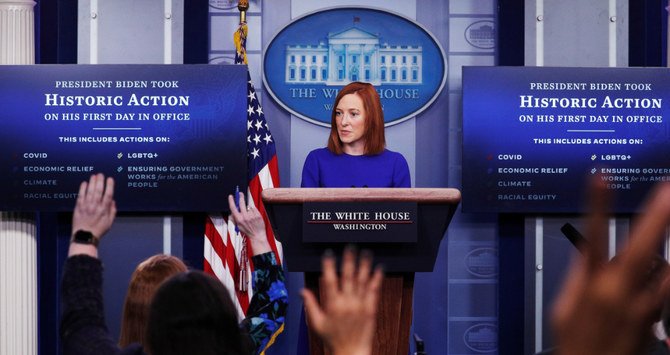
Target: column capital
{"points": [[17, 2]]}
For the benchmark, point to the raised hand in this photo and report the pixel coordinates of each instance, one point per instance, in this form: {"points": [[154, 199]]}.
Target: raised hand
{"points": [[250, 222], [95, 209], [609, 307], [346, 319]]}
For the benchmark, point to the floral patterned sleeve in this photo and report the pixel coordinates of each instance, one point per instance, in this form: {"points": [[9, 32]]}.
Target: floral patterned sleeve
{"points": [[267, 310]]}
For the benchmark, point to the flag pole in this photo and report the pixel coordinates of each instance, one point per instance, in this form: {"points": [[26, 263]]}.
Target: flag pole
{"points": [[243, 6], [240, 36]]}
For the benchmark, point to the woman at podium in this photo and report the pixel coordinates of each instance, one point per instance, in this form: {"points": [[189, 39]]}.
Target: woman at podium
{"points": [[356, 155]]}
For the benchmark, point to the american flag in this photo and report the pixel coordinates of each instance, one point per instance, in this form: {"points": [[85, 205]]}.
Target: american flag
{"points": [[224, 246]]}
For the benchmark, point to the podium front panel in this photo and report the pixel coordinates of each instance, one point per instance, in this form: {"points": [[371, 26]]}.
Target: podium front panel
{"points": [[419, 256]]}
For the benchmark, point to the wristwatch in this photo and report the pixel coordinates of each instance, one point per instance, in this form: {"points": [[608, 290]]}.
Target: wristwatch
{"points": [[84, 237]]}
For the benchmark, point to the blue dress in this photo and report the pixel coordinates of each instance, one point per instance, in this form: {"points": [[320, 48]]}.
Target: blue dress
{"points": [[325, 169]]}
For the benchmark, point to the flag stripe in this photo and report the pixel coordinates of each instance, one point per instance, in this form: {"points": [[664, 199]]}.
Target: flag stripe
{"points": [[217, 267], [255, 188], [215, 239], [207, 268], [270, 174]]}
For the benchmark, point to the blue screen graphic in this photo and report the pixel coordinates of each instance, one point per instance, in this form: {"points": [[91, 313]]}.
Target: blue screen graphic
{"points": [[533, 136], [172, 136]]}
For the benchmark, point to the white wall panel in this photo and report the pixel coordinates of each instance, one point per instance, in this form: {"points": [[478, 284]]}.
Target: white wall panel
{"points": [[456, 63], [406, 8], [128, 31], [468, 7]]}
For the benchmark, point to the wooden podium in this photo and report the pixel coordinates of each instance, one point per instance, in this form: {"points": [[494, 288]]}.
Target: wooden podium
{"points": [[432, 210]]}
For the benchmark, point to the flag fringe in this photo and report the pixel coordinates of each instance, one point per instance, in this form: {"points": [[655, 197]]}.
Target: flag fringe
{"points": [[273, 338]]}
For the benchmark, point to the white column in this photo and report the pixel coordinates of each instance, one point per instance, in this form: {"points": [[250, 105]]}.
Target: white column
{"points": [[18, 284], [18, 247], [361, 64], [345, 63], [17, 34], [167, 59]]}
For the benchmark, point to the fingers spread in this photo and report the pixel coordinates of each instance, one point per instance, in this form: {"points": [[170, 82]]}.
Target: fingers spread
{"points": [[372, 291], [329, 274], [364, 268], [98, 185], [109, 190], [82, 192], [315, 316], [112, 213], [348, 269]]}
